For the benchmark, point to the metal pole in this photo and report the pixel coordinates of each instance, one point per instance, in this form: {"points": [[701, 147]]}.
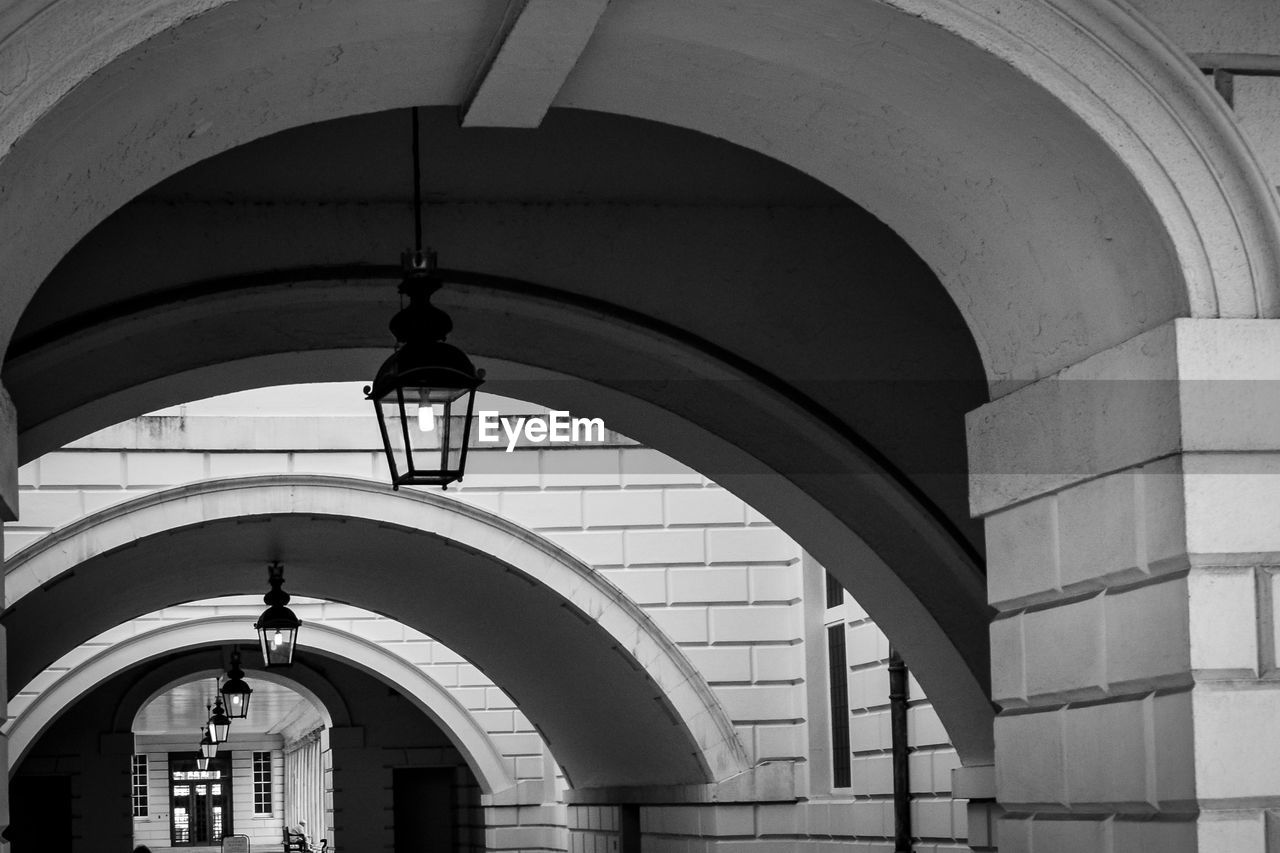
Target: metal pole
{"points": [[901, 769], [417, 187]]}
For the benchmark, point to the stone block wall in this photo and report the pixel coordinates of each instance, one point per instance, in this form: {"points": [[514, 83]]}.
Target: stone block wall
{"points": [[724, 583], [717, 577]]}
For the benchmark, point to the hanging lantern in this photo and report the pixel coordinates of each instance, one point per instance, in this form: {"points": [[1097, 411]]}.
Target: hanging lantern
{"points": [[424, 394], [202, 761], [219, 723], [236, 691], [208, 746], [278, 625]]}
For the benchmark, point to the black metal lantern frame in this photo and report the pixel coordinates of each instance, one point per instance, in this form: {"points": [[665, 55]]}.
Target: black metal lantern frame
{"points": [[219, 723], [424, 394], [236, 691], [278, 625], [208, 746]]}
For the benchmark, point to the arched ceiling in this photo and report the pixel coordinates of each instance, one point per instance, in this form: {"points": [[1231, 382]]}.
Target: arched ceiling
{"points": [[718, 242], [184, 708], [720, 289], [1028, 176]]}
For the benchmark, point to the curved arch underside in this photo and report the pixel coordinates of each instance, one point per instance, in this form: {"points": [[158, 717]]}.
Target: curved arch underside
{"points": [[1060, 222], [835, 501], [867, 414], [616, 702]]}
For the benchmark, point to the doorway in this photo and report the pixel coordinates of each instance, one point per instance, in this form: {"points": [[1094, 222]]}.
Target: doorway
{"points": [[199, 801], [40, 814], [423, 809]]}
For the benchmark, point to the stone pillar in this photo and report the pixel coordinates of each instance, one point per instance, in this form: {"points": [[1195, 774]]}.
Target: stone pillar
{"points": [[8, 512], [106, 812], [361, 792], [1132, 510]]}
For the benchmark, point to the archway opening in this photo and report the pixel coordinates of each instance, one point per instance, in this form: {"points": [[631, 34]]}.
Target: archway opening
{"points": [[284, 774], [630, 325], [292, 769], [447, 569]]}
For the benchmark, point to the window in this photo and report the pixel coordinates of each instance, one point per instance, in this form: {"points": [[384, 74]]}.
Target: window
{"points": [[262, 783], [838, 684], [835, 592], [841, 769], [139, 774]]}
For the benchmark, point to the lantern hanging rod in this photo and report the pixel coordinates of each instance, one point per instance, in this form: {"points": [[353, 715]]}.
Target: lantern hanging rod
{"points": [[417, 187]]}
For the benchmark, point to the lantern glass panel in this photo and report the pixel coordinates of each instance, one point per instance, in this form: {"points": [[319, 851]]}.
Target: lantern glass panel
{"points": [[277, 645], [202, 762], [220, 731], [426, 432], [237, 703]]}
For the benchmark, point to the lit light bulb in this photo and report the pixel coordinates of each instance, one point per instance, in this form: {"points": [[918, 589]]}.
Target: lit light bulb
{"points": [[426, 417], [235, 701], [277, 640]]}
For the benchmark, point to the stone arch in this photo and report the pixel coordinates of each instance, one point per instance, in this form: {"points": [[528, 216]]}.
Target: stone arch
{"points": [[1137, 201], [428, 696], [912, 571], [434, 564], [1113, 98]]}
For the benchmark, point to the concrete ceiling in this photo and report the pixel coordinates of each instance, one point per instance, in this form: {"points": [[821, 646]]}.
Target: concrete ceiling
{"points": [[573, 156]]}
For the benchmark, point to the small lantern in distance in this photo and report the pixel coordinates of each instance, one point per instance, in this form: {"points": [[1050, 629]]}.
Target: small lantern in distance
{"points": [[202, 762], [278, 625], [208, 746], [236, 691], [219, 723]]}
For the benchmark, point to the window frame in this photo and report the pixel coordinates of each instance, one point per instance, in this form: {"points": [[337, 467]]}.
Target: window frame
{"points": [[261, 764], [139, 791], [835, 626]]}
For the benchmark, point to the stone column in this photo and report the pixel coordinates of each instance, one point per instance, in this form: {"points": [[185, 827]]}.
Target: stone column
{"points": [[8, 512], [361, 792], [106, 810], [1132, 510]]}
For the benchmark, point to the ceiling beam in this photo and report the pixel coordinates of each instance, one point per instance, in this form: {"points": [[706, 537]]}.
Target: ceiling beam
{"points": [[531, 56]]}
